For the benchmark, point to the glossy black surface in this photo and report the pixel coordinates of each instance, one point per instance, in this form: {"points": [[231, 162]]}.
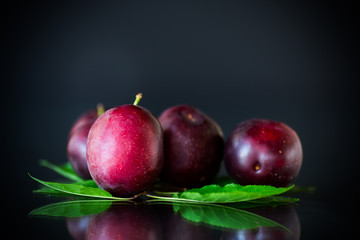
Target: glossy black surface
{"points": [[294, 62], [310, 219]]}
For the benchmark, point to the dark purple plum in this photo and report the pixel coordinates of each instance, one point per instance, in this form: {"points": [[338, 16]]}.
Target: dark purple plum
{"points": [[261, 151], [76, 146], [193, 146], [125, 222], [125, 150], [87, 118]]}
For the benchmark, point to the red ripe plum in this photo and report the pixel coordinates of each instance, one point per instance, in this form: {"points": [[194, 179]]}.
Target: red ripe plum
{"points": [[125, 150]]}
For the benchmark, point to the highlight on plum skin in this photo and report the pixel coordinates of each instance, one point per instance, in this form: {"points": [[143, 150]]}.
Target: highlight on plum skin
{"points": [[261, 151]]}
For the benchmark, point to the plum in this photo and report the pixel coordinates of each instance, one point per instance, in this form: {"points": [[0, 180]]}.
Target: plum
{"points": [[77, 140], [77, 226], [125, 150], [260, 151], [193, 146], [122, 221]]}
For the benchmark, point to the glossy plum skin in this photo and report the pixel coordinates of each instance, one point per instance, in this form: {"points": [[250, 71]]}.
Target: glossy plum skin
{"points": [[125, 150], [76, 146], [193, 146], [261, 151]]}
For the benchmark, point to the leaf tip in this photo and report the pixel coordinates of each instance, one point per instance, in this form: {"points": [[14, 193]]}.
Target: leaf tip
{"points": [[42, 162], [30, 175], [34, 178]]}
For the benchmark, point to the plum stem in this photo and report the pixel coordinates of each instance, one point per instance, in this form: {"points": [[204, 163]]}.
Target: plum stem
{"points": [[100, 109], [137, 99]]}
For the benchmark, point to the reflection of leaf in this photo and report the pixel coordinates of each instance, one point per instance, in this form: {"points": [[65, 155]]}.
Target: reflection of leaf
{"points": [[303, 189], [79, 190], [231, 193], [64, 170], [275, 199], [75, 208], [222, 216], [272, 201]]}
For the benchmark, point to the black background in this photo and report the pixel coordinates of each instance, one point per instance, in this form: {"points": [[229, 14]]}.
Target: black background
{"points": [[291, 62]]}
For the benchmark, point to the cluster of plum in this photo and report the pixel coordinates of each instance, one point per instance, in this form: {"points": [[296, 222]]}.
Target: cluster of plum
{"points": [[126, 149]]}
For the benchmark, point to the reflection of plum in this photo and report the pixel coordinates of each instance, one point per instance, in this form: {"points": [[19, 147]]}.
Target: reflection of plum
{"points": [[284, 215], [125, 222], [176, 227], [77, 227]]}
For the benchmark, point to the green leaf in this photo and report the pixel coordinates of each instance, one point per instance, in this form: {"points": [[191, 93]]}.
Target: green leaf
{"points": [[231, 193], [223, 216], [50, 191], [77, 208], [64, 170], [87, 183], [79, 190]]}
